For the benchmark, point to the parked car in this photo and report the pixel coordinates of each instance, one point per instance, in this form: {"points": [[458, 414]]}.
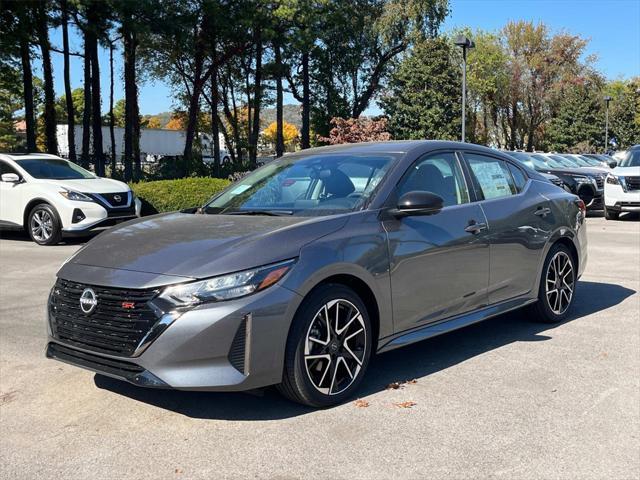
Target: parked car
{"points": [[583, 162], [606, 160], [50, 197], [588, 185], [388, 244], [622, 187]]}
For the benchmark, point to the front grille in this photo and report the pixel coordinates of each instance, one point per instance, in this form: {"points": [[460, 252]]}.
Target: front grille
{"points": [[633, 183], [121, 212], [109, 201], [600, 181], [118, 368], [116, 199], [116, 326]]}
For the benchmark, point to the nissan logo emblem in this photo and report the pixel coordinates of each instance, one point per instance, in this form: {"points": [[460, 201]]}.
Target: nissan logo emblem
{"points": [[117, 198], [88, 301]]}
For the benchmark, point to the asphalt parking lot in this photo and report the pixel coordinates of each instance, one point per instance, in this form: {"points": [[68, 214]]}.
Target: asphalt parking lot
{"points": [[504, 399]]}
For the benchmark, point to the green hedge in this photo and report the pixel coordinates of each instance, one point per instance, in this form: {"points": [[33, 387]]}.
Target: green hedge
{"points": [[170, 195]]}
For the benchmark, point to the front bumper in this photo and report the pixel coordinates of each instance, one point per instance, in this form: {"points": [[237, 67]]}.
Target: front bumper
{"points": [[615, 198], [227, 346], [93, 216]]}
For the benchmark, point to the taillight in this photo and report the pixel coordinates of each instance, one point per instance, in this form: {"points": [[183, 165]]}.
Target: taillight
{"points": [[582, 206]]}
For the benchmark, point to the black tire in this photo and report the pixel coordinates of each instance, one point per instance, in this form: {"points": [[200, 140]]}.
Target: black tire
{"points": [[545, 309], [44, 213], [302, 375], [611, 214]]}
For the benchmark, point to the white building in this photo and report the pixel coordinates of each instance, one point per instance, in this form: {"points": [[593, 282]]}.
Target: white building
{"points": [[154, 143]]}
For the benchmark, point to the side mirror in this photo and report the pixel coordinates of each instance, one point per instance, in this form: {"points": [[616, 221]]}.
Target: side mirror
{"points": [[418, 202], [11, 178], [613, 164]]}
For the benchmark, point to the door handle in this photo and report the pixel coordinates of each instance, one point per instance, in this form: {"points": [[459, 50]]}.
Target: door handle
{"points": [[542, 211], [475, 227]]}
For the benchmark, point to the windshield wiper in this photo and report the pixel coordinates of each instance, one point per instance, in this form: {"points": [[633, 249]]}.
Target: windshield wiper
{"points": [[269, 213]]}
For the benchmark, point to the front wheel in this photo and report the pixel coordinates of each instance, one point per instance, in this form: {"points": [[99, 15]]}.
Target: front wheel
{"points": [[328, 348], [557, 286], [611, 214], [43, 225]]}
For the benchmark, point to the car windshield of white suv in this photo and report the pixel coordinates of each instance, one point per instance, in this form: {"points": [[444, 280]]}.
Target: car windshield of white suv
{"points": [[312, 186], [632, 159], [53, 169]]}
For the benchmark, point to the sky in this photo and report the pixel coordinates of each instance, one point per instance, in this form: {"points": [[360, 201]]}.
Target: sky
{"points": [[612, 26]]}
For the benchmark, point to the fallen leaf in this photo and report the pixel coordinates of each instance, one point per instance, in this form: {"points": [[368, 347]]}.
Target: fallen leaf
{"points": [[408, 404], [412, 382], [361, 403], [394, 386]]}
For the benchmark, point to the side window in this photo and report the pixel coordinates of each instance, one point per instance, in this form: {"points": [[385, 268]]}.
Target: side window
{"points": [[491, 175], [440, 174], [518, 177]]}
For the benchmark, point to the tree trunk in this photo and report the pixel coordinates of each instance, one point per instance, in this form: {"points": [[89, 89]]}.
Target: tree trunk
{"points": [[71, 120], [305, 141], [86, 115], [27, 85], [96, 120], [257, 99], [215, 130], [111, 116], [129, 99], [279, 100], [51, 139], [135, 110]]}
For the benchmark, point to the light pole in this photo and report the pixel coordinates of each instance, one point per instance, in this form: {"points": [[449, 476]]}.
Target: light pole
{"points": [[465, 43], [607, 99]]}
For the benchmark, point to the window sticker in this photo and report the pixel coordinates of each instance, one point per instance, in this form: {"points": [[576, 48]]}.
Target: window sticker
{"points": [[492, 179], [240, 189]]}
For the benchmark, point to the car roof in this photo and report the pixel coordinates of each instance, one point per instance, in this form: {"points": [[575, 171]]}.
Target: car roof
{"points": [[398, 147], [27, 156]]}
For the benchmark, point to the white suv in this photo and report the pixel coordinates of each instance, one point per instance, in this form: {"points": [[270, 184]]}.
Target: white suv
{"points": [[622, 187], [50, 197]]}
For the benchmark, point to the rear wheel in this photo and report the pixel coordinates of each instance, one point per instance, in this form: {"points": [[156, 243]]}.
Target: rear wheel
{"points": [[328, 348], [557, 286], [611, 214], [44, 225]]}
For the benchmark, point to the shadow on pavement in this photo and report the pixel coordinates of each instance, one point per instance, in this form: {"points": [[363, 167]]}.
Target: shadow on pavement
{"points": [[414, 361], [22, 236]]}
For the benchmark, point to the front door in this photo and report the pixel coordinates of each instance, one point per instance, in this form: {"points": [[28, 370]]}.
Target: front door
{"points": [[439, 263], [10, 197]]}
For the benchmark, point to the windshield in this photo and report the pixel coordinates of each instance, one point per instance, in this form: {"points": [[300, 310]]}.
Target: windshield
{"points": [[314, 185], [531, 160], [632, 159], [558, 161], [54, 169]]}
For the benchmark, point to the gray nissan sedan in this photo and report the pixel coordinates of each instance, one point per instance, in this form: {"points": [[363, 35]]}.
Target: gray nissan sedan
{"points": [[298, 273]]}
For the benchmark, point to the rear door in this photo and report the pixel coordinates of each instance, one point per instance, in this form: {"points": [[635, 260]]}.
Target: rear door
{"points": [[519, 220], [439, 262]]}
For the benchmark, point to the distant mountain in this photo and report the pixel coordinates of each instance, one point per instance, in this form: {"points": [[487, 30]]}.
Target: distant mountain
{"points": [[290, 114]]}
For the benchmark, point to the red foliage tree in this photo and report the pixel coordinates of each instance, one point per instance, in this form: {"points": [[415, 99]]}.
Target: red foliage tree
{"points": [[357, 130]]}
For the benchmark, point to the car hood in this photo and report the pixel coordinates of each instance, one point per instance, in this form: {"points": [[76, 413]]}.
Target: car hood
{"points": [[626, 171], [574, 171], [200, 246], [92, 185]]}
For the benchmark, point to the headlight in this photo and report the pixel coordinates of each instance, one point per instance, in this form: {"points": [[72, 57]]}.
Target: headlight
{"points": [[580, 179], [226, 287], [615, 180], [75, 196]]}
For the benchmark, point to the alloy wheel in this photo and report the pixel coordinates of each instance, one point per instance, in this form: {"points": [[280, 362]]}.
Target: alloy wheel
{"points": [[41, 225], [335, 347], [560, 282]]}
